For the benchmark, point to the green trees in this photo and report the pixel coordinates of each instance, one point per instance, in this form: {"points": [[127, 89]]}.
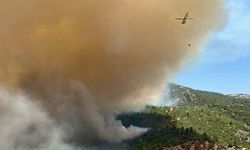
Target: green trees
{"points": [[211, 117], [163, 132]]}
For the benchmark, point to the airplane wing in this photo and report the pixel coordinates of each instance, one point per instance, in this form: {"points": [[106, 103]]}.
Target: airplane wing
{"points": [[179, 18], [190, 18]]}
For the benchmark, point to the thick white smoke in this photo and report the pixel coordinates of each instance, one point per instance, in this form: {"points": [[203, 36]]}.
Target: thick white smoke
{"points": [[24, 125]]}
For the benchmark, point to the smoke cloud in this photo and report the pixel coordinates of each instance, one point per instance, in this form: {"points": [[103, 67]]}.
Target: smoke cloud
{"points": [[81, 62]]}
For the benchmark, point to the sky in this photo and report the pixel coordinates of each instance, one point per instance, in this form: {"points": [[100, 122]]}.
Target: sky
{"points": [[224, 63]]}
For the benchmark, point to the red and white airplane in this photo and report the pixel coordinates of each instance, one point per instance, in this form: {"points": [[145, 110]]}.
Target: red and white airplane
{"points": [[184, 19]]}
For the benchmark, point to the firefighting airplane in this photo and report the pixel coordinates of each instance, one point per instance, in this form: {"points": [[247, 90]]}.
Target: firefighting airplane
{"points": [[184, 19]]}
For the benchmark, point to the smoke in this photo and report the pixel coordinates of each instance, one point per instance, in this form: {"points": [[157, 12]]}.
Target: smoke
{"points": [[81, 62], [25, 126]]}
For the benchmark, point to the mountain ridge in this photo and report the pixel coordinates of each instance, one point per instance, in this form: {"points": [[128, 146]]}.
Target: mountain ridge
{"points": [[200, 119], [240, 96]]}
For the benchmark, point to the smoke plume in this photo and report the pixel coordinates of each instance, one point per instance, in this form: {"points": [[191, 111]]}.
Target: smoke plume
{"points": [[80, 62]]}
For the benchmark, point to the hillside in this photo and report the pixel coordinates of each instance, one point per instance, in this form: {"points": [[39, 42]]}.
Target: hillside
{"points": [[240, 96], [200, 120]]}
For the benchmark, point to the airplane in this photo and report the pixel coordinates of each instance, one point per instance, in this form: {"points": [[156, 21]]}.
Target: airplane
{"points": [[184, 19]]}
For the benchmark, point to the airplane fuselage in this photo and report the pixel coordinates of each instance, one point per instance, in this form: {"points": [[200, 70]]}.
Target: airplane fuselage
{"points": [[185, 18]]}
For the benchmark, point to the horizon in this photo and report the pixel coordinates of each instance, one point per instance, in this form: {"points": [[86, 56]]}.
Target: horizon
{"points": [[206, 90]]}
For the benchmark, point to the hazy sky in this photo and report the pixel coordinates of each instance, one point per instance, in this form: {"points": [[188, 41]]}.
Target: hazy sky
{"points": [[224, 64]]}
